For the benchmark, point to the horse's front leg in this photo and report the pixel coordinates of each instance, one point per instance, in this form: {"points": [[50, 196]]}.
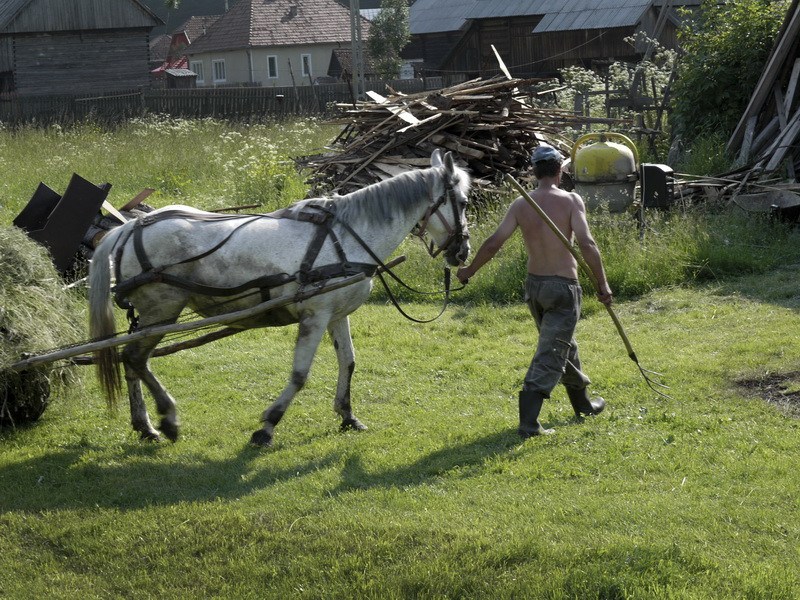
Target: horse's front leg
{"points": [[345, 355], [309, 335]]}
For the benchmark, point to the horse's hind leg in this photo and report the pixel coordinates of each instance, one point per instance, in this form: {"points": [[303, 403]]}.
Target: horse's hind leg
{"points": [[309, 335], [345, 355], [136, 357], [139, 417]]}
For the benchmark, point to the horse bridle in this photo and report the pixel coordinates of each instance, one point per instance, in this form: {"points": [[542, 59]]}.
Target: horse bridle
{"points": [[455, 234]]}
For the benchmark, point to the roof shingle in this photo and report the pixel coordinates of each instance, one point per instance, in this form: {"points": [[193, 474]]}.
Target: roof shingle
{"points": [[269, 23]]}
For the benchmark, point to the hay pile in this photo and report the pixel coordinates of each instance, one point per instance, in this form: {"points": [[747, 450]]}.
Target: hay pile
{"points": [[36, 314]]}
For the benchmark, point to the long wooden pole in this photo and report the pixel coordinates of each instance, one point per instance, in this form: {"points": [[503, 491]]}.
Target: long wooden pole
{"points": [[179, 327]]}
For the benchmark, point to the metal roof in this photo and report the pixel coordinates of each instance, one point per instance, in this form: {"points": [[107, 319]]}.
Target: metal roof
{"points": [[436, 16], [599, 14]]}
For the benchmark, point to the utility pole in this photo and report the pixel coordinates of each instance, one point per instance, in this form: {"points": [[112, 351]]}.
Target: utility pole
{"points": [[358, 49]]}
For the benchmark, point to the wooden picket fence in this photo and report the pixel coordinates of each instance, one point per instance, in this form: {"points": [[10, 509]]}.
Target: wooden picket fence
{"points": [[222, 102]]}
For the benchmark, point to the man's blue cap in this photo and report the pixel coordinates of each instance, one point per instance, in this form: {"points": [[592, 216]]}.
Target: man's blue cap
{"points": [[545, 152]]}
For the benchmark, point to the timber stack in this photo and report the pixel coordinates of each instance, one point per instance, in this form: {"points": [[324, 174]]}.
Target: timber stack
{"points": [[766, 140], [491, 125]]}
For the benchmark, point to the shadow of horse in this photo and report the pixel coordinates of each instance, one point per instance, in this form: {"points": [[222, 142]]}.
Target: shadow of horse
{"points": [[73, 478]]}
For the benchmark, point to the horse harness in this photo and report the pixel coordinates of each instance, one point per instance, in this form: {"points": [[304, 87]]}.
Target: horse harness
{"points": [[321, 215]]}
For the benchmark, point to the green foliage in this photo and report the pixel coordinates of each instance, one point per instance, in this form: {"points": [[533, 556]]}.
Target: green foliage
{"points": [[388, 35], [726, 46]]}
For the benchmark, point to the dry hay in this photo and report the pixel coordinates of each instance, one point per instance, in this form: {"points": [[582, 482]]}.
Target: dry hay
{"points": [[36, 314], [779, 389]]}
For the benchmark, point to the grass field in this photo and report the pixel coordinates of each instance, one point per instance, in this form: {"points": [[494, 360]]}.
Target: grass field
{"points": [[690, 498]]}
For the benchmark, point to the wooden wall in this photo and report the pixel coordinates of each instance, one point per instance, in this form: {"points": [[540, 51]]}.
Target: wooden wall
{"points": [[81, 63], [80, 15]]}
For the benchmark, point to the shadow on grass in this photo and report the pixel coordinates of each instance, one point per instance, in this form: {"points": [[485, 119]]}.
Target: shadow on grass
{"points": [[76, 479], [454, 461]]}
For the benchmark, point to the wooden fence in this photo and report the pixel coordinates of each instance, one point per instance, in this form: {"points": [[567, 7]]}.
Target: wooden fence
{"points": [[225, 103]]}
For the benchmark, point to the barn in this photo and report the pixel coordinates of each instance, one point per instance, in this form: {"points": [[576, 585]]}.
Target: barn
{"points": [[536, 37], [74, 46]]}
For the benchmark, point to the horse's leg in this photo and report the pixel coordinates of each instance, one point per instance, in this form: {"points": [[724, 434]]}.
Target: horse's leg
{"points": [[139, 417], [136, 356], [309, 335], [345, 355]]}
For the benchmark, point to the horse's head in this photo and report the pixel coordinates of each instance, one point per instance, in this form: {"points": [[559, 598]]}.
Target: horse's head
{"points": [[446, 218]]}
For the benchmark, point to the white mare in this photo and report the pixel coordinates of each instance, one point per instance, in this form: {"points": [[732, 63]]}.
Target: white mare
{"points": [[177, 257]]}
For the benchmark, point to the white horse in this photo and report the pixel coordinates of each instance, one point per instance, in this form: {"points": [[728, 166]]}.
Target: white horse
{"points": [[178, 256]]}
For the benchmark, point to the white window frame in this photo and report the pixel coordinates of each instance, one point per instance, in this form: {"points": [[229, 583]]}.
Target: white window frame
{"points": [[272, 61], [218, 68], [196, 66], [305, 61]]}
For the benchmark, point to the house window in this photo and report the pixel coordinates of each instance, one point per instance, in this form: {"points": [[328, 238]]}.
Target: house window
{"points": [[305, 60], [196, 66], [272, 67], [218, 66]]}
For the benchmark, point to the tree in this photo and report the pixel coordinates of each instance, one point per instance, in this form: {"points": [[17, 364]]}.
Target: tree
{"points": [[725, 49], [388, 35]]}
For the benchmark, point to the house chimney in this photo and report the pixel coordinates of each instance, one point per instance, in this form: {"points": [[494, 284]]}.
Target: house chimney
{"points": [[292, 11]]}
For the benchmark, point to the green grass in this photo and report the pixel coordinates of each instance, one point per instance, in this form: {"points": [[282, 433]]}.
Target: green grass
{"points": [[691, 498]]}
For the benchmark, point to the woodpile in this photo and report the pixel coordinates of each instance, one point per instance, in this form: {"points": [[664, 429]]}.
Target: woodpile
{"points": [[768, 134], [492, 125], [766, 140]]}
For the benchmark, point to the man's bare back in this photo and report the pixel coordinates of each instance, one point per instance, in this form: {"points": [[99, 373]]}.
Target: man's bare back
{"points": [[547, 254]]}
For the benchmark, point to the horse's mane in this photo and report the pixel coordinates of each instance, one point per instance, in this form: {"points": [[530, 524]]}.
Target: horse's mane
{"points": [[382, 201]]}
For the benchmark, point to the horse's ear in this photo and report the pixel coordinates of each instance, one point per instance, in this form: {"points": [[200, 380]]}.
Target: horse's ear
{"points": [[449, 163], [436, 158]]}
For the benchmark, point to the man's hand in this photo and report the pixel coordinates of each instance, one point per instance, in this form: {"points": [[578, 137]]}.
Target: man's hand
{"points": [[463, 274], [605, 296]]}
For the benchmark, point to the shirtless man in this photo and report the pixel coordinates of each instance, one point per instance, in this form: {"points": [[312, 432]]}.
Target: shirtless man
{"points": [[552, 291]]}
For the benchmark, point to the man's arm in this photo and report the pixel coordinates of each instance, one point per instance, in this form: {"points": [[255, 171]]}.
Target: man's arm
{"points": [[492, 244], [589, 250]]}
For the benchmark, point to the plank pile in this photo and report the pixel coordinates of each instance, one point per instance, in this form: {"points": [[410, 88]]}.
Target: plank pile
{"points": [[492, 126], [768, 134]]}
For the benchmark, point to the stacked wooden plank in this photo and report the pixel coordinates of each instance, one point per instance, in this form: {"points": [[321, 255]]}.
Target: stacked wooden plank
{"points": [[768, 134], [492, 126]]}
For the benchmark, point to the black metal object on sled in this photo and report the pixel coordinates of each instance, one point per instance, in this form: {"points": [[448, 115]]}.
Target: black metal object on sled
{"points": [[60, 222]]}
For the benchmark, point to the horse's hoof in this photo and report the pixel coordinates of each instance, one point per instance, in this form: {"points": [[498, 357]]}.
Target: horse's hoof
{"points": [[169, 429], [261, 438], [150, 436], [352, 424]]}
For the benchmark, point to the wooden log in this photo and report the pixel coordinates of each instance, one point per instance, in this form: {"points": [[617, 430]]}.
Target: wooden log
{"points": [[232, 317]]}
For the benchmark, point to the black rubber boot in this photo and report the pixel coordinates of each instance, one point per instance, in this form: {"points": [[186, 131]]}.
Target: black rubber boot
{"points": [[582, 404], [530, 405]]}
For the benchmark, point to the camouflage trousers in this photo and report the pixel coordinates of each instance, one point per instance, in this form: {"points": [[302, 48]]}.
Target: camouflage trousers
{"points": [[555, 303]]}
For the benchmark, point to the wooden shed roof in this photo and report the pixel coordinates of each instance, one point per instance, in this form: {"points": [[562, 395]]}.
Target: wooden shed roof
{"points": [[268, 23], [31, 16]]}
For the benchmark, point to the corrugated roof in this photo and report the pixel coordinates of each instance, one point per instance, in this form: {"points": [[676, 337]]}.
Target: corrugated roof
{"points": [[9, 10], [435, 16], [576, 14], [269, 23]]}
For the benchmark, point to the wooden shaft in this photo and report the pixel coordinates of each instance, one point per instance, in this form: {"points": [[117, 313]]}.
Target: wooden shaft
{"points": [[578, 257], [179, 327]]}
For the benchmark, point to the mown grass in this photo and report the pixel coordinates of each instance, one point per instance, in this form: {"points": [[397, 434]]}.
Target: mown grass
{"points": [[691, 498]]}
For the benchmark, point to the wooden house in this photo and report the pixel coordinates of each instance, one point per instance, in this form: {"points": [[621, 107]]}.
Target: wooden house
{"points": [[535, 37], [74, 46], [173, 57], [275, 43]]}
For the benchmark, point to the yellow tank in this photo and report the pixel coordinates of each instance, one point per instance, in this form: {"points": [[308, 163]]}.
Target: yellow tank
{"points": [[605, 171]]}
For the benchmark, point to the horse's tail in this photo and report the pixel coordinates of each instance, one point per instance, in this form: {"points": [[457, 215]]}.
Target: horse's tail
{"points": [[101, 319]]}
